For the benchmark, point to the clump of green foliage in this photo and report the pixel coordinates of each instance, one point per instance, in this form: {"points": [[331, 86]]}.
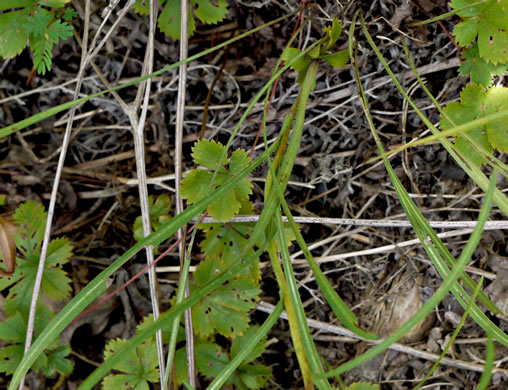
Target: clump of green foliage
{"points": [[207, 11], [224, 312], [40, 23], [30, 221], [484, 31]]}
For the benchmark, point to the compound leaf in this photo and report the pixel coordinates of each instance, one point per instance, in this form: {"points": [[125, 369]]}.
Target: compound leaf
{"points": [[332, 34], [210, 359], [238, 345], [338, 59], [140, 365], [31, 220], [13, 37], [198, 183], [159, 214], [69, 14], [10, 356], [251, 376], [476, 103], [209, 13], [13, 330], [480, 70], [58, 30], [300, 65], [38, 23], [56, 361], [497, 131], [209, 154], [226, 309], [489, 23], [169, 20]]}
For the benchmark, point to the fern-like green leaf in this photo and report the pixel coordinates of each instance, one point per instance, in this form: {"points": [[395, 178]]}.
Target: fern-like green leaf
{"points": [[38, 23], [44, 32]]}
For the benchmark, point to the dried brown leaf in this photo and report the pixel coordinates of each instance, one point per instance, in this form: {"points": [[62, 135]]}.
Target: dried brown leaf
{"points": [[8, 246]]}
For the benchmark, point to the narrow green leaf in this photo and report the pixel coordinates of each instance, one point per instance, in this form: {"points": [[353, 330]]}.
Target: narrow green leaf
{"points": [[490, 356]]}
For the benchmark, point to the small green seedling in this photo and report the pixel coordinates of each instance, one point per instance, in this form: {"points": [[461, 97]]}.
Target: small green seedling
{"points": [[334, 59]]}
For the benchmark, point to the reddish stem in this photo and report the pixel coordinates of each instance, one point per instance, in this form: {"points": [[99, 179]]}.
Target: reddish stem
{"points": [[300, 17], [138, 274]]}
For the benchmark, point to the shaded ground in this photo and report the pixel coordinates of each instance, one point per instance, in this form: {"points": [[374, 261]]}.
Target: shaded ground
{"points": [[96, 209]]}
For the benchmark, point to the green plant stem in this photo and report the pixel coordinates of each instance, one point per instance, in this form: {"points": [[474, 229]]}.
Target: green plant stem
{"points": [[340, 309], [465, 277], [182, 284], [490, 355], [290, 310], [436, 249], [285, 131], [447, 14], [455, 334], [286, 167], [241, 262]]}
